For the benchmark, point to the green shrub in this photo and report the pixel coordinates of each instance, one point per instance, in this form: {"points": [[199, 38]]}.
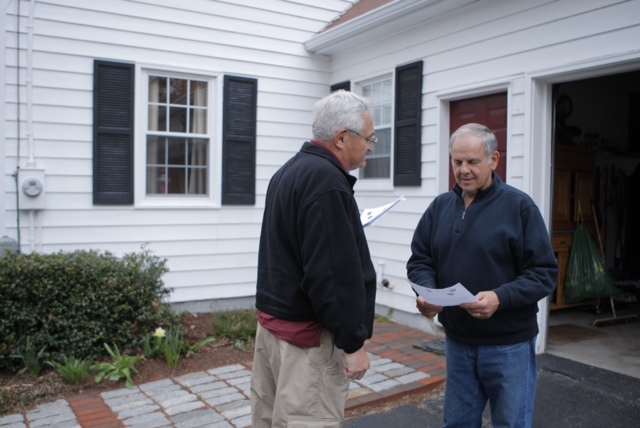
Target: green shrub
{"points": [[74, 302]]}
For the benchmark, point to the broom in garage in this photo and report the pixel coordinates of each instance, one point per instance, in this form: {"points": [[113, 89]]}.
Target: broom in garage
{"points": [[615, 319]]}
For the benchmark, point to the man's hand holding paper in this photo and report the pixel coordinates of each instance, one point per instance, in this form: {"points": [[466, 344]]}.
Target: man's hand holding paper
{"points": [[431, 301], [450, 296]]}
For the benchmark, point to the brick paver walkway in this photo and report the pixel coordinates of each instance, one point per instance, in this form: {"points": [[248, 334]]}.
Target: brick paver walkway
{"points": [[219, 398]]}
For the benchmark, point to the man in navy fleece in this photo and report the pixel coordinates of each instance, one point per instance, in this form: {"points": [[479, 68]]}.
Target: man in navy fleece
{"points": [[492, 239]]}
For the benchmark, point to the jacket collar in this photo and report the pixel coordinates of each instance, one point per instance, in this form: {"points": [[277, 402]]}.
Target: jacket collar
{"points": [[484, 193], [318, 149]]}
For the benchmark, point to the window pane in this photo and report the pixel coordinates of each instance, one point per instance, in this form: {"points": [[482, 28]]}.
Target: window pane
{"points": [[177, 183], [152, 124], [157, 118], [386, 114], [376, 168], [178, 91], [198, 93], [198, 123], [197, 181], [156, 181], [197, 153], [383, 146], [178, 119], [157, 89], [177, 153], [156, 151]]}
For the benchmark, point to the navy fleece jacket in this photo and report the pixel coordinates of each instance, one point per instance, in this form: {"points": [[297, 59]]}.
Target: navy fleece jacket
{"points": [[500, 244], [314, 261]]}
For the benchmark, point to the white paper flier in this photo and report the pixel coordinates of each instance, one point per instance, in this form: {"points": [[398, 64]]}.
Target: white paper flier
{"points": [[450, 296], [371, 215]]}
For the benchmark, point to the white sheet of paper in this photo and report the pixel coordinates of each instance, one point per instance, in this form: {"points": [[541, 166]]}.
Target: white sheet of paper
{"points": [[450, 296], [371, 215]]}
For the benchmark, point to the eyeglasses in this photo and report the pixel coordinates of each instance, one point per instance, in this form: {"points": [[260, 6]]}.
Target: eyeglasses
{"points": [[373, 140]]}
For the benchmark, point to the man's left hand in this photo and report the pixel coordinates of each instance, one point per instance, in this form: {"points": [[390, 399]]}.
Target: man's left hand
{"points": [[356, 364], [487, 304]]}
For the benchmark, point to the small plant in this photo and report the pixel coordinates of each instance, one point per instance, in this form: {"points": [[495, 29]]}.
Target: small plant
{"points": [[119, 368], [72, 369], [192, 349], [171, 344], [173, 347], [240, 345], [33, 360], [388, 318], [154, 344]]}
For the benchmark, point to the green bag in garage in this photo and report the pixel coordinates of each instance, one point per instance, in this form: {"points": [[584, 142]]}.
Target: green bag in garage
{"points": [[587, 276]]}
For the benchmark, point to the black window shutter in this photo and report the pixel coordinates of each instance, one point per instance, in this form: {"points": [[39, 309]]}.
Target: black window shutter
{"points": [[113, 115], [239, 113], [408, 146], [342, 85]]}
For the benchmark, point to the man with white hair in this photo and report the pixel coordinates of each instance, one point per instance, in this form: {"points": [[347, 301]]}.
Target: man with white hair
{"points": [[316, 283]]}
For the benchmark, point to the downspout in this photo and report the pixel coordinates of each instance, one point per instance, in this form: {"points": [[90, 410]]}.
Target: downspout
{"points": [[15, 174], [31, 162]]}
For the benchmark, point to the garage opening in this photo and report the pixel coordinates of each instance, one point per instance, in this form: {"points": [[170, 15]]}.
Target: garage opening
{"points": [[596, 182]]}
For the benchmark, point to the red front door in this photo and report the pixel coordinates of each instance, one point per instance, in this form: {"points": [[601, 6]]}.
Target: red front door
{"points": [[488, 110]]}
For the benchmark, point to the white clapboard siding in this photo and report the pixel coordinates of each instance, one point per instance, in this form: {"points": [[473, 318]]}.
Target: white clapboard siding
{"points": [[212, 252]]}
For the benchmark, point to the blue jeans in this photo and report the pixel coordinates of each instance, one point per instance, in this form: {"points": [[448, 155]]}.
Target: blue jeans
{"points": [[506, 376]]}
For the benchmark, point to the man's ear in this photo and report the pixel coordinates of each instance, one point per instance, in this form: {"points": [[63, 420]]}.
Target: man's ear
{"points": [[495, 158], [338, 140]]}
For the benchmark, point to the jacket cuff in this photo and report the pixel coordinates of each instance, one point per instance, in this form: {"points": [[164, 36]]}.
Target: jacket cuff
{"points": [[503, 296]]}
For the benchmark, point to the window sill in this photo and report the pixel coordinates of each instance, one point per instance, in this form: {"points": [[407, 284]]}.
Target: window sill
{"points": [[384, 185], [176, 203]]}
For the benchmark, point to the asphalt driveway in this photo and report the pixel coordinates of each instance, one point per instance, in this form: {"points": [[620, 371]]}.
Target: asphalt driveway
{"points": [[570, 394]]}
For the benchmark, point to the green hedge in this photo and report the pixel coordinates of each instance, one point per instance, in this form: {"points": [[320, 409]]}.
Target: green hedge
{"points": [[74, 302]]}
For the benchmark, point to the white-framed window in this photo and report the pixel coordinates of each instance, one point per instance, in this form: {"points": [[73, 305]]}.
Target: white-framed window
{"points": [[175, 147], [177, 143], [380, 93]]}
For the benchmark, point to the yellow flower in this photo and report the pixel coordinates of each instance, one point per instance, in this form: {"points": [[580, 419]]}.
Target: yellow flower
{"points": [[159, 332]]}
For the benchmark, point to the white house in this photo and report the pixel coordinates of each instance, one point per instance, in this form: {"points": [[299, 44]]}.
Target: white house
{"points": [[124, 112], [160, 122]]}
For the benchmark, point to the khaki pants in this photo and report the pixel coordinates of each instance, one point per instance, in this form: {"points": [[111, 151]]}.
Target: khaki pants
{"points": [[294, 387]]}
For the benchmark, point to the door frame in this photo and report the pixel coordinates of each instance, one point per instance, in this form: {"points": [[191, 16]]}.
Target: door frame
{"points": [[539, 140]]}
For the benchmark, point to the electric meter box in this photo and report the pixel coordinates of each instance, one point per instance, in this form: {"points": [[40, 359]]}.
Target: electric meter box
{"points": [[31, 189]]}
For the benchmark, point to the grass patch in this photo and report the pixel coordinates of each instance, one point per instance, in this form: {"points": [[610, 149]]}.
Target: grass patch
{"points": [[235, 326]]}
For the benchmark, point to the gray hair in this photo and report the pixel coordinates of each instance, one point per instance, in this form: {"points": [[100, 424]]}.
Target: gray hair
{"points": [[339, 110], [488, 137]]}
